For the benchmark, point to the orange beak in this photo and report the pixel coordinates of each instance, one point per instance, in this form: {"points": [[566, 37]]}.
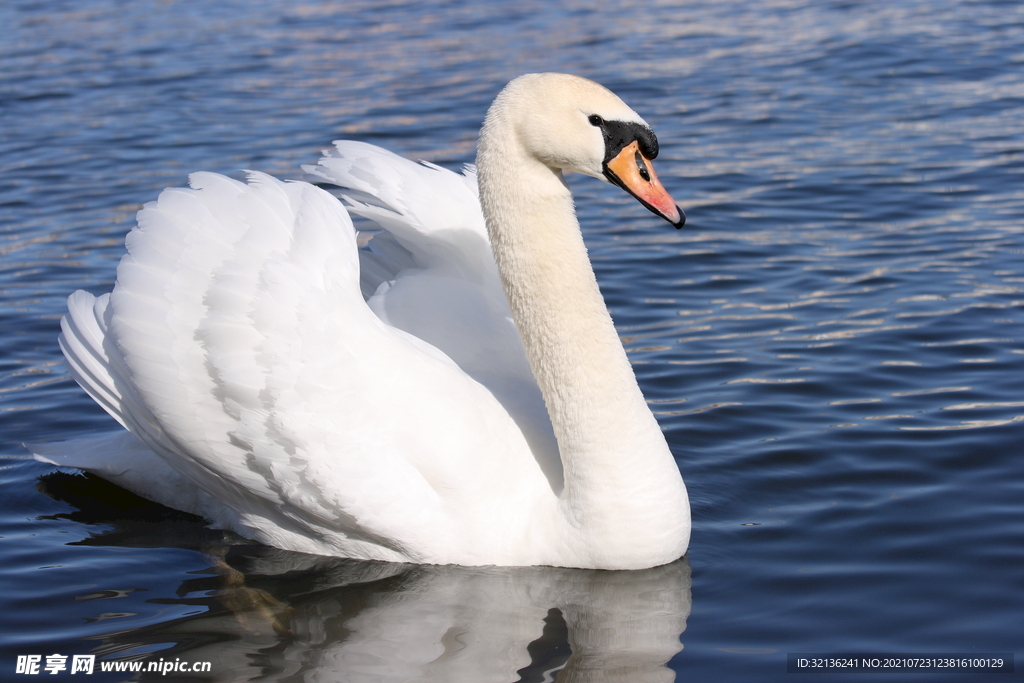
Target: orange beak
{"points": [[633, 172]]}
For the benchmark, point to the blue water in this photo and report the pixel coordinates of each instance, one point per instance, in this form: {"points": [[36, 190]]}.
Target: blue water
{"points": [[834, 344]]}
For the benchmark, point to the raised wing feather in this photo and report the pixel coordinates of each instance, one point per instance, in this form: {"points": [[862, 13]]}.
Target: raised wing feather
{"points": [[237, 346], [433, 213]]}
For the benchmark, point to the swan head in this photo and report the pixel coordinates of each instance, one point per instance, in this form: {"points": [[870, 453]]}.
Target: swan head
{"points": [[573, 124]]}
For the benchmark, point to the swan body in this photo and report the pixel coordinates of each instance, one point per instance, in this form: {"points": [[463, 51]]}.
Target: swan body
{"points": [[449, 391]]}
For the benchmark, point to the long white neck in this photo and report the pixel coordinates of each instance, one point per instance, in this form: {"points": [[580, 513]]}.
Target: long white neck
{"points": [[621, 484]]}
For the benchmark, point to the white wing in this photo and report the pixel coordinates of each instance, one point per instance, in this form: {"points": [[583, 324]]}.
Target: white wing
{"points": [[430, 272], [237, 346]]}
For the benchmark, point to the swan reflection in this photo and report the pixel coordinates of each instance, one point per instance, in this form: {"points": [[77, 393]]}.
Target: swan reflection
{"points": [[273, 615], [358, 621]]}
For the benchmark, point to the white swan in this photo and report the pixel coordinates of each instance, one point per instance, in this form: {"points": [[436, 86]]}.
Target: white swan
{"points": [[379, 402]]}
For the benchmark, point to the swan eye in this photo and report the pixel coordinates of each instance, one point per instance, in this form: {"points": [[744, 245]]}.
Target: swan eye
{"points": [[595, 120]]}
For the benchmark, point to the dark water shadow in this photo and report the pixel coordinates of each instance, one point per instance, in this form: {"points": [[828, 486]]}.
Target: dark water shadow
{"points": [[273, 615]]}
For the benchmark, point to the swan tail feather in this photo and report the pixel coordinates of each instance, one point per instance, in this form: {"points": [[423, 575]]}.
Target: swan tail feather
{"points": [[122, 459]]}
